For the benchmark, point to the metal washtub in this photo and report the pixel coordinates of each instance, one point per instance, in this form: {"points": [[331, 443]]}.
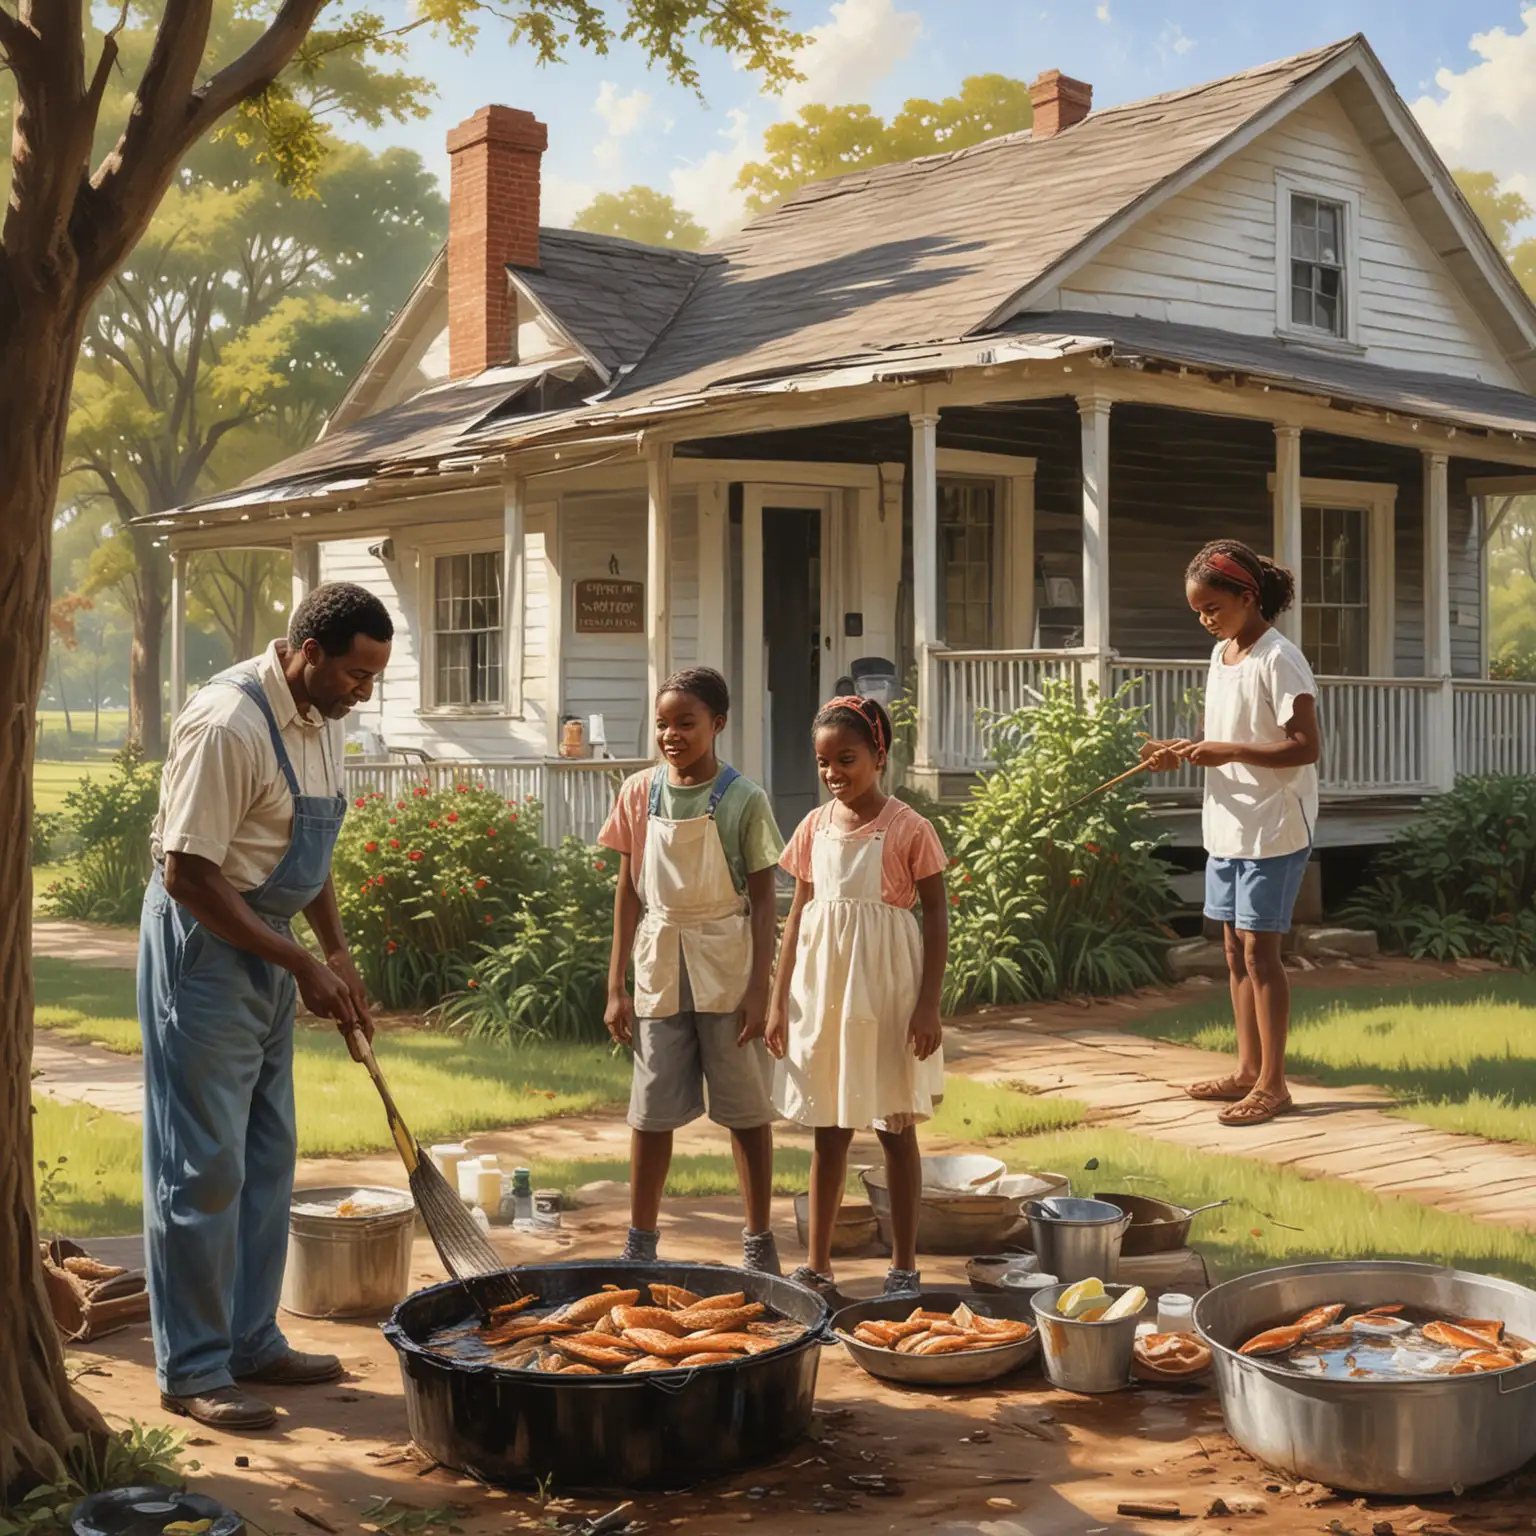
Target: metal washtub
{"points": [[1374, 1437], [348, 1266], [665, 1429]]}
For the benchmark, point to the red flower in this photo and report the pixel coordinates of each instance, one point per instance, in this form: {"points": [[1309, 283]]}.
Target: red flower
{"points": [[480, 885], [490, 831], [414, 855], [463, 789], [364, 886], [399, 805], [953, 862], [391, 947], [361, 801], [391, 821], [378, 879], [394, 842], [528, 798], [463, 890], [967, 879], [370, 847], [954, 901], [432, 826], [513, 816], [1077, 879], [479, 786], [487, 917], [597, 864], [1091, 847], [473, 982], [453, 816]]}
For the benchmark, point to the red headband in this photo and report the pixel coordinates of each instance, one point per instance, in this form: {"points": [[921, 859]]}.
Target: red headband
{"points": [[858, 705], [1233, 570]]}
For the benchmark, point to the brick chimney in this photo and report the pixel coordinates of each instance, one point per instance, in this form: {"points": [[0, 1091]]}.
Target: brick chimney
{"points": [[493, 222], [1058, 101]]}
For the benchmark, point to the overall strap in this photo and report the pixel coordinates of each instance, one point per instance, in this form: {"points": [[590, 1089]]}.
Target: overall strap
{"points": [[251, 687], [658, 778], [723, 781]]}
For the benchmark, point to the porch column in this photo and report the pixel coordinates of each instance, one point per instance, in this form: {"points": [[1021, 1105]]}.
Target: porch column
{"points": [[925, 580], [1288, 522], [178, 631], [305, 555], [658, 569], [1094, 411], [1440, 748], [713, 520], [514, 589]]}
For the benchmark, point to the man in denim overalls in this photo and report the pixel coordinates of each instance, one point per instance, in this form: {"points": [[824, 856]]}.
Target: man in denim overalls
{"points": [[250, 804]]}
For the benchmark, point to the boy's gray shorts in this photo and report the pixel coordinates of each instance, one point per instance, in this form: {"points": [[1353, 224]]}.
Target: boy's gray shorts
{"points": [[677, 1058]]}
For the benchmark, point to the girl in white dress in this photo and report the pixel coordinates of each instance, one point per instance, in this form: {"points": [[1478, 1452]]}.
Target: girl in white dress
{"points": [[854, 1021]]}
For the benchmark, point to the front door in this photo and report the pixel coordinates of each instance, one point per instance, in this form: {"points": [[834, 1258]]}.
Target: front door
{"points": [[792, 657]]}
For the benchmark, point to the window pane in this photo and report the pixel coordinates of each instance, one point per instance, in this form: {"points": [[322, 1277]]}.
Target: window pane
{"points": [[1325, 312], [1353, 642], [1301, 305], [1329, 221]]}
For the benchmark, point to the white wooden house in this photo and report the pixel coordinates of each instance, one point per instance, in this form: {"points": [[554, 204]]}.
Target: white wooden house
{"points": [[971, 415]]}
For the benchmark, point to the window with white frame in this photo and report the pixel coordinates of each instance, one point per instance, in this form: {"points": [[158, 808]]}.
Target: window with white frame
{"points": [[467, 630], [1336, 590], [1318, 265], [968, 550]]}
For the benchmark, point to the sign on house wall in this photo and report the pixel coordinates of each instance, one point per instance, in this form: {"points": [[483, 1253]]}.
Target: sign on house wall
{"points": [[607, 607]]}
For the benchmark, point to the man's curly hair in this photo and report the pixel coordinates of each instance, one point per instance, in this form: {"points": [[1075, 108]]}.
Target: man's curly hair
{"points": [[335, 614]]}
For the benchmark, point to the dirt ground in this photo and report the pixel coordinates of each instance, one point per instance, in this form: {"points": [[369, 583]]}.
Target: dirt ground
{"points": [[1012, 1459]]}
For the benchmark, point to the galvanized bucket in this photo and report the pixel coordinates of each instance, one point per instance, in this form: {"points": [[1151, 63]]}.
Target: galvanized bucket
{"points": [[348, 1266], [1080, 1356]]}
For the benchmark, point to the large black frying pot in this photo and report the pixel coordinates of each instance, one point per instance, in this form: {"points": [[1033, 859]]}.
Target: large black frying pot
{"points": [[664, 1429]]}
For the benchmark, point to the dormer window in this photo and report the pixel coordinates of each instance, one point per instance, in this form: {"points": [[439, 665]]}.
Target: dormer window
{"points": [[1316, 287], [1318, 294]]}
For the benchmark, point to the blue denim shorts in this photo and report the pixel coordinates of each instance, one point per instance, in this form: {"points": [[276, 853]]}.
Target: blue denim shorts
{"points": [[1255, 895]]}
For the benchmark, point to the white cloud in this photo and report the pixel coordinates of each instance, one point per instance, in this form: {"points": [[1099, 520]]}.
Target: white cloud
{"points": [[622, 114], [1484, 117], [1171, 41], [707, 188], [1103, 12], [561, 199], [852, 52]]}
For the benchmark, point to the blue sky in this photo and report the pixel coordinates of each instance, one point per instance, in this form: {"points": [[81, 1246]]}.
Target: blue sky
{"points": [[1469, 69]]}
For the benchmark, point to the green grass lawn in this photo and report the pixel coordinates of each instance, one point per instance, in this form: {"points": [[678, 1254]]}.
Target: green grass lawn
{"points": [[974, 1111], [1276, 1216], [97, 1190], [1459, 1055], [51, 781], [446, 1086]]}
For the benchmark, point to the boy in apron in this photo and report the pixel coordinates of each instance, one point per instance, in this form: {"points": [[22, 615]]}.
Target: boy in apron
{"points": [[695, 909]]}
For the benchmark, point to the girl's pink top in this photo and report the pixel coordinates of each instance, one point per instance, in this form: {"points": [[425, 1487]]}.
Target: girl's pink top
{"points": [[912, 849]]}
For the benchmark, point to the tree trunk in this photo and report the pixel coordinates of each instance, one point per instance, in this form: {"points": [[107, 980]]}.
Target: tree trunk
{"points": [[146, 717], [58, 672], [39, 1410]]}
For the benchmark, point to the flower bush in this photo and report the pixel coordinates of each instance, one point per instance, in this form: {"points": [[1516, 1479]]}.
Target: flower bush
{"points": [[1044, 909], [550, 979], [424, 881], [1460, 880], [110, 820]]}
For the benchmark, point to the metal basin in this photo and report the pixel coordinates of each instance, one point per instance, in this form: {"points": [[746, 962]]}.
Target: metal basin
{"points": [[1076, 1239], [1081, 1356], [955, 1370], [1375, 1437], [348, 1266], [957, 1223]]}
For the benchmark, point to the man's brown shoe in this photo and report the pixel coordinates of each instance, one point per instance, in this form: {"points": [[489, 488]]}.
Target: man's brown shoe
{"points": [[296, 1369], [223, 1408]]}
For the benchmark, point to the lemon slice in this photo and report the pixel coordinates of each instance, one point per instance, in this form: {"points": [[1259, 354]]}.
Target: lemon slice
{"points": [[1080, 1298], [1128, 1305]]}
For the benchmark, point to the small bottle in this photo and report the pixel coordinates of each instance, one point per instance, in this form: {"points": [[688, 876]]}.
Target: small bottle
{"points": [[546, 1210], [469, 1176], [1175, 1313], [522, 1200], [480, 1219]]}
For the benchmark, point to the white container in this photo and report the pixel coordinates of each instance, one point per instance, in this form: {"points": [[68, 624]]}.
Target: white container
{"points": [[1176, 1313], [469, 1180], [447, 1155], [488, 1189]]}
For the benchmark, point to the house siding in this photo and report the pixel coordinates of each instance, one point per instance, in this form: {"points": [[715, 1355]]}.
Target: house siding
{"points": [[1208, 256]]}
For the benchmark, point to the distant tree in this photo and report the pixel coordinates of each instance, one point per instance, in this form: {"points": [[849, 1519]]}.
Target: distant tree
{"points": [[830, 141], [101, 125], [1502, 213], [643, 214]]}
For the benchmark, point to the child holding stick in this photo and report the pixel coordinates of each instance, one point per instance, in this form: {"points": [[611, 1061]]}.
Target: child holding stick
{"points": [[855, 1016], [698, 847], [1260, 749]]}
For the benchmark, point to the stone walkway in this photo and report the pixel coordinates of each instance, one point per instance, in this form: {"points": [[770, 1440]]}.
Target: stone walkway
{"points": [[89, 943]]}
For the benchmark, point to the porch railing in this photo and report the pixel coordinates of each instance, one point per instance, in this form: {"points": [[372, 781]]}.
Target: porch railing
{"points": [[1380, 735], [576, 793], [1495, 727]]}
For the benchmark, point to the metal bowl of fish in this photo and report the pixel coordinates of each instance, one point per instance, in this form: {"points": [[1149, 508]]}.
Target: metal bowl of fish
{"points": [[939, 1338], [1376, 1376]]}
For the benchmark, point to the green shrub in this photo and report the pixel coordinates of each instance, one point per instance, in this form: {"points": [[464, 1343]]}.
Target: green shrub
{"points": [[1513, 666], [110, 819], [424, 881], [1045, 909], [550, 979], [1461, 879], [47, 832]]}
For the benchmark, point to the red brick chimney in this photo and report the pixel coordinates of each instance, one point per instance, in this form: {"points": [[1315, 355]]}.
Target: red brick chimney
{"points": [[493, 222], [1058, 101]]}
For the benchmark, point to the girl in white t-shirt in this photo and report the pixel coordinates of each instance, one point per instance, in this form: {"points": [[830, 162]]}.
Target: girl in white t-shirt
{"points": [[1260, 749]]}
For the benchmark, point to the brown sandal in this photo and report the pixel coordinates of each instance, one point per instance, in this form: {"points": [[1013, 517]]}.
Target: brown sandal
{"points": [[1225, 1090], [1256, 1108]]}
